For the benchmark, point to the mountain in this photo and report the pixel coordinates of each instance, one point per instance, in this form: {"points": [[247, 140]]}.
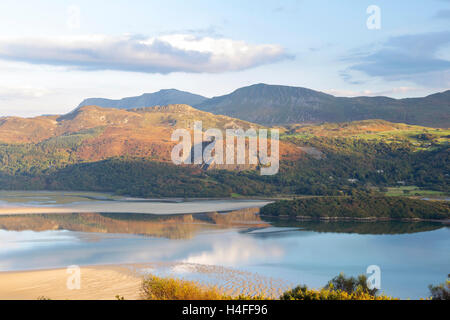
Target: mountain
{"points": [[279, 105], [160, 98], [274, 105]]}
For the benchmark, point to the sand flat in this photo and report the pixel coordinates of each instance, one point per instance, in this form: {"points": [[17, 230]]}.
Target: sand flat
{"points": [[12, 203], [97, 283], [106, 281]]}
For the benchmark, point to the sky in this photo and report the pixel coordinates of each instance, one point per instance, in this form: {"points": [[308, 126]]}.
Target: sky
{"points": [[54, 54]]}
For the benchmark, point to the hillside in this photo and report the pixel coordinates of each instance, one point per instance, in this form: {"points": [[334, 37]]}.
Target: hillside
{"points": [[280, 105], [128, 152], [421, 138], [93, 133]]}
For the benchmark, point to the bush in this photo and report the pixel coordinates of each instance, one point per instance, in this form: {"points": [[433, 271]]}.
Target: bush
{"points": [[157, 288], [339, 288], [350, 284], [303, 293], [442, 291]]}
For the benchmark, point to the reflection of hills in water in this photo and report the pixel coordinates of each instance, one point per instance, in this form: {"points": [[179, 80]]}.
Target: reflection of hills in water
{"points": [[173, 226], [187, 225], [379, 227]]}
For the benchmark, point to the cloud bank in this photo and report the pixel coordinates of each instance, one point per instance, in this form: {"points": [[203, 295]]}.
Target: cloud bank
{"points": [[417, 58], [163, 54]]}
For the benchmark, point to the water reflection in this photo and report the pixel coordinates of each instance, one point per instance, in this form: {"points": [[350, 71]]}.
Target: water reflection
{"points": [[359, 227], [171, 226], [411, 255]]}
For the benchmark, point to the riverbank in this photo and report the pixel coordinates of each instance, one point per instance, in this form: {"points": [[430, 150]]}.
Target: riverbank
{"points": [[352, 219], [359, 208]]}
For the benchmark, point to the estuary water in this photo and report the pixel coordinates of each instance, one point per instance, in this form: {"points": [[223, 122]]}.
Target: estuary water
{"points": [[410, 255]]}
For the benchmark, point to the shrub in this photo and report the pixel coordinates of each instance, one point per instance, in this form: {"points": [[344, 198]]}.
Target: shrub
{"points": [[350, 284], [442, 291], [339, 288], [303, 293], [157, 288]]}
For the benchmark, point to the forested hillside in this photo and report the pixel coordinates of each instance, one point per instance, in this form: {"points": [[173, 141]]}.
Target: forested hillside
{"points": [[128, 152]]}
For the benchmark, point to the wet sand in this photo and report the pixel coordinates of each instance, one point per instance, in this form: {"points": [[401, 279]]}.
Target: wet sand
{"points": [[108, 281], [97, 283], [134, 207]]}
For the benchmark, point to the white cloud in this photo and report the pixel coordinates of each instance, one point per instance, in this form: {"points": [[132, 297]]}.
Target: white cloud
{"points": [[417, 58], [164, 54]]}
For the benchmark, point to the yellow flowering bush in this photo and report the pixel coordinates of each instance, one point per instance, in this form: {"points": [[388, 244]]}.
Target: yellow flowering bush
{"points": [[303, 293], [157, 288]]}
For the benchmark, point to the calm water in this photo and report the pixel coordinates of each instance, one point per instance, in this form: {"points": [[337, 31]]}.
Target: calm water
{"points": [[411, 255]]}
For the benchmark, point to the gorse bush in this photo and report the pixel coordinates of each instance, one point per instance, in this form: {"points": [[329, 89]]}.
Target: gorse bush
{"points": [[157, 288], [350, 284], [303, 293], [441, 291], [339, 288]]}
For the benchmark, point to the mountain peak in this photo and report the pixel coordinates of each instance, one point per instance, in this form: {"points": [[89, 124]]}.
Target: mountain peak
{"points": [[277, 105]]}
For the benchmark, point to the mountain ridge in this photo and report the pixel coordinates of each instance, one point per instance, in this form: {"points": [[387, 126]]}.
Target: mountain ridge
{"points": [[280, 105], [162, 97]]}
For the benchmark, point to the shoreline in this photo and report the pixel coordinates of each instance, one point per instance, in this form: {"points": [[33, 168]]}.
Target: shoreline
{"points": [[151, 208], [353, 219]]}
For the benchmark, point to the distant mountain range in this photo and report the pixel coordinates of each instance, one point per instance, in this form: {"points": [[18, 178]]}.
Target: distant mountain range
{"points": [[279, 105]]}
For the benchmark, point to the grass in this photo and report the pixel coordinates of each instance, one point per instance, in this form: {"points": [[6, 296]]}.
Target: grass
{"points": [[412, 191]]}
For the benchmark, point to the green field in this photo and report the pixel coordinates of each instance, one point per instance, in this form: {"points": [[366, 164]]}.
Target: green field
{"points": [[422, 138], [413, 191]]}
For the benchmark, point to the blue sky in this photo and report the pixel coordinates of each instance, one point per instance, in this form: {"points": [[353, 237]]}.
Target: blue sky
{"points": [[53, 54]]}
